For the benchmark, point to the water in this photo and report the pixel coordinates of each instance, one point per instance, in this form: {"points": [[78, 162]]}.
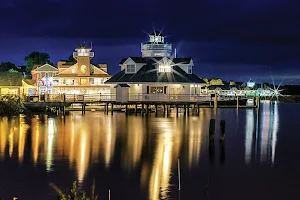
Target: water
{"points": [[136, 157]]}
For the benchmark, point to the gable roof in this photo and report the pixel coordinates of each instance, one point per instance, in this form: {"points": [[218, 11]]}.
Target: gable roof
{"points": [[45, 67], [148, 73], [145, 60], [135, 59]]}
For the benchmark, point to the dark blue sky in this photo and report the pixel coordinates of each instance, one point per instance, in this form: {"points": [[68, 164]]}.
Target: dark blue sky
{"points": [[230, 39]]}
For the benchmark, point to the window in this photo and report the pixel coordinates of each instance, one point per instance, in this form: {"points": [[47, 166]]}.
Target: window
{"points": [[39, 75], [46, 74], [164, 68], [157, 90], [73, 71], [189, 69], [92, 81], [130, 69]]}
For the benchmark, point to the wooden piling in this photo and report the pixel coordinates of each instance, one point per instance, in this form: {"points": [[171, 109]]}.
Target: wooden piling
{"points": [[198, 109], [107, 108], [212, 123], [112, 108], [176, 110], [164, 109], [147, 107], [136, 109], [142, 110], [222, 129], [188, 109], [184, 106], [215, 101], [126, 109], [155, 109]]}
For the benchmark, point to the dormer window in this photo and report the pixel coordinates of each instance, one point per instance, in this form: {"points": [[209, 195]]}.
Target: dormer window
{"points": [[130, 68], [189, 70]]}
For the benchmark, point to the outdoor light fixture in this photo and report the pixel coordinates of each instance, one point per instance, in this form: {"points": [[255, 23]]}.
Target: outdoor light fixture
{"points": [[164, 68]]}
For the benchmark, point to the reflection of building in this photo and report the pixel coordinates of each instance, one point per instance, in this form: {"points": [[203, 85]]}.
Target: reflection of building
{"points": [[81, 77], [43, 75], [155, 73]]}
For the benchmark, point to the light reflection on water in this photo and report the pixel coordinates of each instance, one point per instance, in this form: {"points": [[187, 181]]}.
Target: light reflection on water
{"points": [[147, 146], [262, 128]]}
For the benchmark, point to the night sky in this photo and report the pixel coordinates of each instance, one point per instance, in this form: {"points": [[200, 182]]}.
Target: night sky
{"points": [[230, 39]]}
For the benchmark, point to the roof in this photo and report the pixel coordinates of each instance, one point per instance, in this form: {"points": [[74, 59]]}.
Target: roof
{"points": [[29, 81], [83, 47], [146, 59], [148, 73], [223, 87], [75, 75], [122, 85], [45, 67], [157, 33]]}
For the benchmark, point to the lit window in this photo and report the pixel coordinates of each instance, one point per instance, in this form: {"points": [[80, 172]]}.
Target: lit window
{"points": [[46, 74], [156, 90], [130, 69], [73, 71], [164, 68]]}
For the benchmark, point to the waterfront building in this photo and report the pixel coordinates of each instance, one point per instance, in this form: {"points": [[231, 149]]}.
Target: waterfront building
{"points": [[81, 76], [156, 75], [43, 75]]}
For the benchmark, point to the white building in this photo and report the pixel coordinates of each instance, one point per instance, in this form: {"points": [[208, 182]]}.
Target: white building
{"points": [[156, 76]]}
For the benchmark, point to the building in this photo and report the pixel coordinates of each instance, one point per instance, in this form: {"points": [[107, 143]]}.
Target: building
{"points": [[156, 75], [81, 77], [43, 75]]}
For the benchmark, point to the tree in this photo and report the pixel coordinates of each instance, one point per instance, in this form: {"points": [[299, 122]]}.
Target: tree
{"points": [[216, 81], [12, 71], [231, 82], [71, 59], [10, 79], [5, 66], [36, 58]]}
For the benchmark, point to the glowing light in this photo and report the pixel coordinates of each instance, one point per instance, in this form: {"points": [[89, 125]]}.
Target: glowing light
{"points": [[164, 68], [249, 135]]}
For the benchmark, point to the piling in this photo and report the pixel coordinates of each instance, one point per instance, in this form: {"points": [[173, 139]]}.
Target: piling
{"points": [[222, 129], [212, 123], [126, 109], [188, 109], [147, 108], [142, 111], [198, 110], [215, 101], [155, 109], [184, 106], [164, 109], [112, 109], [176, 110], [136, 109]]}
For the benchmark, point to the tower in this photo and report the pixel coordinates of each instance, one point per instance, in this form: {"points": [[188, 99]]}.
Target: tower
{"points": [[156, 46], [83, 56]]}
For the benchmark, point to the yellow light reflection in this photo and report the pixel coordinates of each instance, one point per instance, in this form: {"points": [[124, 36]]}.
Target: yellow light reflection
{"points": [[166, 153], [50, 143]]}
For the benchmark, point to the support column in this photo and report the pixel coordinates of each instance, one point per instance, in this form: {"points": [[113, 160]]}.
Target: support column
{"points": [[184, 106], [215, 101], [112, 108], [176, 110], [188, 109], [164, 109], [198, 110], [126, 109], [155, 109], [136, 109], [142, 111], [147, 109]]}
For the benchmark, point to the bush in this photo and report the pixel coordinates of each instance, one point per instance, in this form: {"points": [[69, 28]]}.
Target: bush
{"points": [[11, 104]]}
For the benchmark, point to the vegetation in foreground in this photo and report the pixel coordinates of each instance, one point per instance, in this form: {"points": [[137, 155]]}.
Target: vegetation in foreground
{"points": [[11, 104], [76, 193]]}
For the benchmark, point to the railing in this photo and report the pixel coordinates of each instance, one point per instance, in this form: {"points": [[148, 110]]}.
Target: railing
{"points": [[156, 47], [76, 54], [168, 98]]}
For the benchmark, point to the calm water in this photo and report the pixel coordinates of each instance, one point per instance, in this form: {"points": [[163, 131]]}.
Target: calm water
{"points": [[136, 157]]}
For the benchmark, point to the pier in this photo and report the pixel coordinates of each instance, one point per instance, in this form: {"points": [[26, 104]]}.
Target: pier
{"points": [[139, 103]]}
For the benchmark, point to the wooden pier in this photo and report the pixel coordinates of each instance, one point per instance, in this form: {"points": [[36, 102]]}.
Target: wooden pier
{"points": [[144, 107]]}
